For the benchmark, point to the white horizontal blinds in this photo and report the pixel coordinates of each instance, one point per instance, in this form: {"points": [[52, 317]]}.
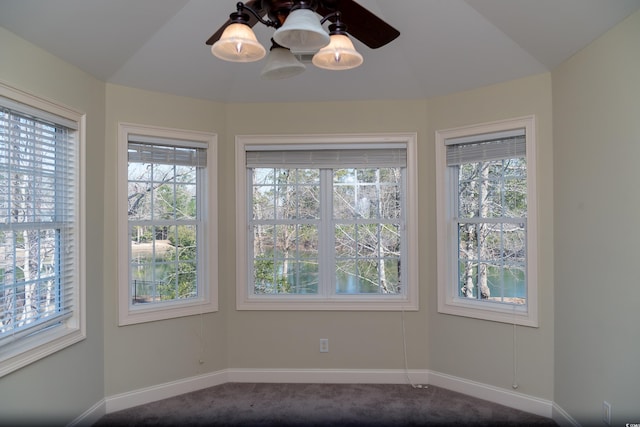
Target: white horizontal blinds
{"points": [[41, 115], [486, 147], [298, 157], [38, 181], [146, 149]]}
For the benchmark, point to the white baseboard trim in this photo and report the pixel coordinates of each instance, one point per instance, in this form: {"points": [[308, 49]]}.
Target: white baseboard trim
{"points": [[562, 418], [327, 376], [90, 416], [491, 393], [163, 391], [501, 396]]}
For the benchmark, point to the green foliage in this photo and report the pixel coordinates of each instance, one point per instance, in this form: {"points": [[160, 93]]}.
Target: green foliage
{"points": [[266, 281], [172, 273], [183, 274], [142, 234]]}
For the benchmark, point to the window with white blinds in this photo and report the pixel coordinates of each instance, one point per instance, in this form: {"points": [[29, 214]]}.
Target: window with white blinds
{"points": [[487, 147], [39, 226], [487, 221], [328, 223], [350, 157], [156, 151], [166, 252]]}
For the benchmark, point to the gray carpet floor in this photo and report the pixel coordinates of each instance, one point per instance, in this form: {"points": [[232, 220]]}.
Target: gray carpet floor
{"points": [[249, 404]]}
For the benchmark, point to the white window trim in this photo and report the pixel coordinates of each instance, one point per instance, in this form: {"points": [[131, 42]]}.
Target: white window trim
{"points": [[208, 302], [30, 349], [408, 301], [448, 300]]}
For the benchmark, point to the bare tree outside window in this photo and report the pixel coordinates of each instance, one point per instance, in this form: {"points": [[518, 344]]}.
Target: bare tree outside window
{"points": [[492, 213], [286, 217], [32, 226], [366, 211], [487, 233], [287, 221]]}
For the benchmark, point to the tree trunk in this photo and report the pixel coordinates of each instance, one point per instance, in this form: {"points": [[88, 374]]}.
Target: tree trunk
{"points": [[482, 232], [467, 288]]}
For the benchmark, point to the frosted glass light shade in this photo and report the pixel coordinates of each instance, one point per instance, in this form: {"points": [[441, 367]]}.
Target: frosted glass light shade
{"points": [[339, 55], [281, 63], [238, 43], [301, 32]]}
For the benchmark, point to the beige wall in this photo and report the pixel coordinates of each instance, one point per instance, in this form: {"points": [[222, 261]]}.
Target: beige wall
{"points": [[152, 353], [480, 350], [259, 339], [65, 384], [584, 351], [159, 352], [596, 104], [357, 340]]}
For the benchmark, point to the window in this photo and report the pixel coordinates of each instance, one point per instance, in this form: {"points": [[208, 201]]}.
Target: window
{"points": [[41, 228], [327, 222], [167, 224], [487, 221]]}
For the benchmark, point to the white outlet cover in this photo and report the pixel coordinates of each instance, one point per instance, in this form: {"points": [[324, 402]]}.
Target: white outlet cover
{"points": [[606, 412]]}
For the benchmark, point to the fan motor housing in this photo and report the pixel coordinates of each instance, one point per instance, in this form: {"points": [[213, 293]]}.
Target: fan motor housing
{"points": [[278, 10]]}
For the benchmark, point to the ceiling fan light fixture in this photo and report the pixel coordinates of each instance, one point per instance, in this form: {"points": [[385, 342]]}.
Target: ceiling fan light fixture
{"points": [[238, 43], [302, 32], [299, 35], [340, 54], [281, 63]]}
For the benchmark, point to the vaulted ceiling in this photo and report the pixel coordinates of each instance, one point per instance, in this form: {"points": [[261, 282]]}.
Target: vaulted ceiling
{"points": [[445, 46]]}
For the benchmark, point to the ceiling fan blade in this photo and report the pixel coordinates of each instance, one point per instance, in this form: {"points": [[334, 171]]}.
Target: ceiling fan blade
{"points": [[253, 4], [361, 23]]}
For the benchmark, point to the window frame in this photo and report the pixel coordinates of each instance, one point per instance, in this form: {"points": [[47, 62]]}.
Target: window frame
{"points": [[449, 302], [31, 348], [245, 300], [207, 271]]}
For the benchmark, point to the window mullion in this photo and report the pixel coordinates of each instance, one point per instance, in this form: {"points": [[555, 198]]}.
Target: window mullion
{"points": [[250, 232], [404, 276], [202, 201], [454, 206], [174, 216], [326, 234]]}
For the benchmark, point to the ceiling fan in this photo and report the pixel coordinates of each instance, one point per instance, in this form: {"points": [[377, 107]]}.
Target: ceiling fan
{"points": [[299, 34]]}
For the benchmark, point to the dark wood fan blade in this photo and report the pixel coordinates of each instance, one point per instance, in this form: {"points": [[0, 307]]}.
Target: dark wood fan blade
{"points": [[361, 23], [253, 4]]}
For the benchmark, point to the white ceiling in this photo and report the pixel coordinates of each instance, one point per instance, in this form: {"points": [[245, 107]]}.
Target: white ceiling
{"points": [[445, 46]]}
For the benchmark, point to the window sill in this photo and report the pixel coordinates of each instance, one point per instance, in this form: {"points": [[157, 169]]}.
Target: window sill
{"points": [[346, 303], [171, 310], [492, 311]]}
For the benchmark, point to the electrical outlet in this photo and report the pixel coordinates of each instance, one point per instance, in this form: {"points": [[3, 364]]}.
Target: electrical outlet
{"points": [[324, 345], [606, 412]]}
